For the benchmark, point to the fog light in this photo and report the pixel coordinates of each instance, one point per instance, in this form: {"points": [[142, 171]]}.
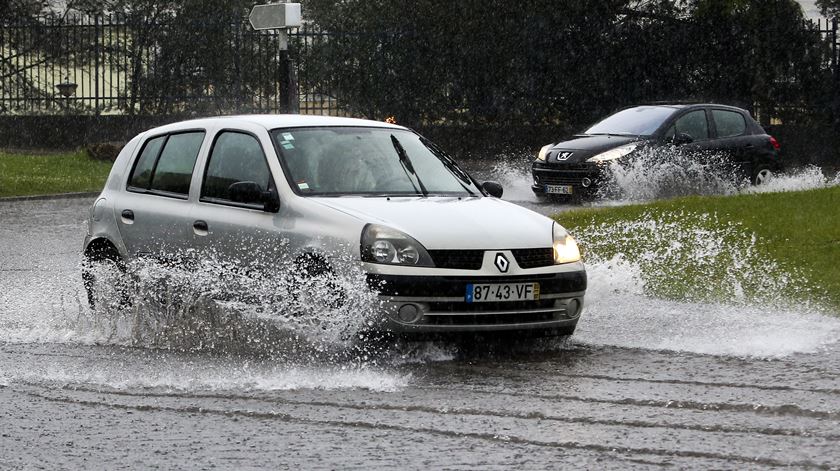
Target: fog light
{"points": [[586, 182], [573, 308], [408, 313]]}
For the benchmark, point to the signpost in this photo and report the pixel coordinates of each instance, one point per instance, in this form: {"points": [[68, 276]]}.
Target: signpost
{"points": [[281, 17]]}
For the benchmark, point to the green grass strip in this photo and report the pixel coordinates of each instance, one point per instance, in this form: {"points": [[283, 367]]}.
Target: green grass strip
{"points": [[27, 175]]}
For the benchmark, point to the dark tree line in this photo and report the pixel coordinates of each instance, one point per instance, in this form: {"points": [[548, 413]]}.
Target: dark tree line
{"points": [[475, 62], [550, 61]]}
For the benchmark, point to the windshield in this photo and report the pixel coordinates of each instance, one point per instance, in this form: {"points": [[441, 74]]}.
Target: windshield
{"points": [[336, 161], [638, 121]]}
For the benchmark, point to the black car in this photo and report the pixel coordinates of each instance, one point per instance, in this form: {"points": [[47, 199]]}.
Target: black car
{"points": [[576, 166]]}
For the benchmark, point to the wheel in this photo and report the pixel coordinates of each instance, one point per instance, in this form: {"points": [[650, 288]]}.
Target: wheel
{"points": [[762, 175], [104, 277], [318, 277]]}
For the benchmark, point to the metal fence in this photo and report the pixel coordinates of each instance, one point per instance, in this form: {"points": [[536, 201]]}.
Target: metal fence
{"points": [[124, 66]]}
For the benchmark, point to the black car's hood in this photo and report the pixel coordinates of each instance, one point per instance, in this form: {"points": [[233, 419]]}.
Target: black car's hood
{"points": [[582, 147]]}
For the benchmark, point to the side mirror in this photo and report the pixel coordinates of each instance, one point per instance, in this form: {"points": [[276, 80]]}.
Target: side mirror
{"points": [[494, 189], [270, 200], [245, 192], [682, 138]]}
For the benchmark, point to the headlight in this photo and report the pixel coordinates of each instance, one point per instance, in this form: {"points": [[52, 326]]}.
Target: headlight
{"points": [[544, 152], [613, 154], [381, 244], [565, 248]]}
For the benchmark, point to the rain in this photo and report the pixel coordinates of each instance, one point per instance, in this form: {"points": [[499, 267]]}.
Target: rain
{"points": [[709, 335]]}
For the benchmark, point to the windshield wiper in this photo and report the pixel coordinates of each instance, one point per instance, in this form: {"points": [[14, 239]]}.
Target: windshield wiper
{"points": [[407, 166], [452, 167]]}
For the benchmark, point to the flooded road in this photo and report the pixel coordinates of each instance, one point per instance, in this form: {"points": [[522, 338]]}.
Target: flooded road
{"points": [[644, 383]]}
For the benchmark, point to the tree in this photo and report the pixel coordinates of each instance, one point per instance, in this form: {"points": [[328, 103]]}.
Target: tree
{"points": [[829, 8]]}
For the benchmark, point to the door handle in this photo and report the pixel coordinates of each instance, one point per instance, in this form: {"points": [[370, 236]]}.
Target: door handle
{"points": [[201, 228], [127, 216]]}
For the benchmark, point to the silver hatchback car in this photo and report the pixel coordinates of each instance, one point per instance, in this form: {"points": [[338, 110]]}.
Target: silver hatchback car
{"points": [[442, 252]]}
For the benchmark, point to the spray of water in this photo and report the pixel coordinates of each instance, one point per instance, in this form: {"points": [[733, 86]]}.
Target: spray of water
{"points": [[214, 305], [664, 172], [690, 282]]}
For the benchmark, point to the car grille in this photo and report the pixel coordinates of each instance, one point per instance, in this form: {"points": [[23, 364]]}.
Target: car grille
{"points": [[564, 178], [458, 259], [460, 306], [534, 258], [490, 319], [472, 259]]}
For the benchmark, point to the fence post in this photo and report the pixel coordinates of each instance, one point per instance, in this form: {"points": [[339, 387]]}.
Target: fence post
{"points": [[96, 52]]}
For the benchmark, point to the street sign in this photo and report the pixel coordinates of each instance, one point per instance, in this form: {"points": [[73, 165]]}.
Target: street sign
{"points": [[276, 16]]}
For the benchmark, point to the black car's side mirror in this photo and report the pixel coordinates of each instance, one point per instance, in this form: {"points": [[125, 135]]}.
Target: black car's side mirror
{"points": [[682, 138], [494, 189]]}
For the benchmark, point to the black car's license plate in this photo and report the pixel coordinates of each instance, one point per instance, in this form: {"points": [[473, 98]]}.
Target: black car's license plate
{"points": [[500, 292], [559, 189]]}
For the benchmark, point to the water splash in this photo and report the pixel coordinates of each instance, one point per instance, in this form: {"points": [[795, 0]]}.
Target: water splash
{"points": [[228, 306], [690, 282], [654, 173], [657, 173]]}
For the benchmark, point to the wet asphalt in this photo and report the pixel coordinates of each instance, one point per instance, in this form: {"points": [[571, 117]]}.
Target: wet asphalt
{"points": [[72, 402]]}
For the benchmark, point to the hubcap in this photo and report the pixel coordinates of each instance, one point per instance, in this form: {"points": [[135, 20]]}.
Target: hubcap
{"points": [[763, 177]]}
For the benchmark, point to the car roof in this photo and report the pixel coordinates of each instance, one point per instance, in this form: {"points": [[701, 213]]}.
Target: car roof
{"points": [[680, 106], [272, 121]]}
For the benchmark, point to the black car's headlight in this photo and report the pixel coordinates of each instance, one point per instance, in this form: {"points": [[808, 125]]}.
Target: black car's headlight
{"points": [[614, 154], [565, 248], [544, 152], [382, 244]]}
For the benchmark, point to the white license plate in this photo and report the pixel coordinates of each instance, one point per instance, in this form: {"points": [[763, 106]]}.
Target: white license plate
{"points": [[486, 293], [559, 189]]}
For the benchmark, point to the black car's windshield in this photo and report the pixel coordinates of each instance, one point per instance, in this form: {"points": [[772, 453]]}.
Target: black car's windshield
{"points": [[638, 121], [335, 161]]}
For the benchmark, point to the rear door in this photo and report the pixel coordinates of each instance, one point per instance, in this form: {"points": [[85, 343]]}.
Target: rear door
{"points": [[732, 134], [153, 211]]}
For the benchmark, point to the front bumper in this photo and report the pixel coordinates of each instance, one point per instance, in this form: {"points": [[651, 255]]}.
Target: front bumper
{"points": [[438, 303], [584, 179]]}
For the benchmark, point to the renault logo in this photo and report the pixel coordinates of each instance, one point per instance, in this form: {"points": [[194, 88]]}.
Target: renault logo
{"points": [[502, 263]]}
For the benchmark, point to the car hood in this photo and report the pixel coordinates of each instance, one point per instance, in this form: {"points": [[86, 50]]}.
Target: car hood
{"points": [[441, 223], [580, 148]]}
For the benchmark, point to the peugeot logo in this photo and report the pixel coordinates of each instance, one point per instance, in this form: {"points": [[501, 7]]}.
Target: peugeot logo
{"points": [[564, 155], [502, 263]]}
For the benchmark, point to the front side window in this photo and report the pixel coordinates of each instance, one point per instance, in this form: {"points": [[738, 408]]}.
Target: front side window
{"points": [[694, 124], [729, 123], [335, 161], [236, 158], [166, 164]]}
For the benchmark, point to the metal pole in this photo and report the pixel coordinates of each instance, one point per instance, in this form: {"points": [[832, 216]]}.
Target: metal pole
{"points": [[288, 86]]}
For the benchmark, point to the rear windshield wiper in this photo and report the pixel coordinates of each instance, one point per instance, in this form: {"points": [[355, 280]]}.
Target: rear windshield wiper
{"points": [[407, 166]]}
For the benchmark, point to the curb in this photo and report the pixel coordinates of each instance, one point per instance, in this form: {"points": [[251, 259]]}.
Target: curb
{"points": [[60, 196]]}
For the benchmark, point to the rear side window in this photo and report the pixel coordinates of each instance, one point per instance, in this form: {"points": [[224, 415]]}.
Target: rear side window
{"points": [[142, 175], [166, 163], [729, 123], [236, 158], [694, 124]]}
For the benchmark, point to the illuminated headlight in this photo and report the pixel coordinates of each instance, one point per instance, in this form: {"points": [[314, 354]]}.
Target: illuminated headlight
{"points": [[565, 248], [613, 154], [544, 152], [381, 244]]}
